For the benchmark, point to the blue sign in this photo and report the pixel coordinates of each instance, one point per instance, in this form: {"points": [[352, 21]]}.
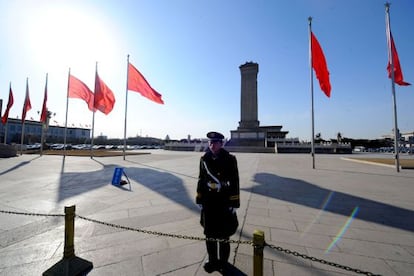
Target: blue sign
{"points": [[116, 179]]}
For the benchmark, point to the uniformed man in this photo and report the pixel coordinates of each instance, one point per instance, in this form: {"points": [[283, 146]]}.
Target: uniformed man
{"points": [[218, 196]]}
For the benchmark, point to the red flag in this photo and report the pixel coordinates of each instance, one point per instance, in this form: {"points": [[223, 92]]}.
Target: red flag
{"points": [[137, 83], [398, 76], [43, 115], [9, 105], [27, 105], [104, 97], [77, 89], [319, 64]]}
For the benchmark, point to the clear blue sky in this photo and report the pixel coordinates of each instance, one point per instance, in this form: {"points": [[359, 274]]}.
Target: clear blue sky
{"points": [[190, 52]]}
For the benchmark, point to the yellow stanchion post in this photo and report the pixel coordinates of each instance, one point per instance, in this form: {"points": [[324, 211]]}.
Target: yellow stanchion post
{"points": [[70, 265], [258, 245], [69, 250]]}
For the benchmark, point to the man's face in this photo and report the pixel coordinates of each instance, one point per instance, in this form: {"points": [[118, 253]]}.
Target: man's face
{"points": [[215, 145]]}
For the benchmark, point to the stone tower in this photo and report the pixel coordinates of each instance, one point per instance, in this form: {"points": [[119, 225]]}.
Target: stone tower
{"points": [[248, 103], [250, 136]]}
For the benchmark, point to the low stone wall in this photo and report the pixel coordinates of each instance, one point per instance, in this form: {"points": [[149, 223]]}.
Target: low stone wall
{"points": [[202, 147], [281, 148], [319, 148], [7, 151], [250, 149], [185, 146]]}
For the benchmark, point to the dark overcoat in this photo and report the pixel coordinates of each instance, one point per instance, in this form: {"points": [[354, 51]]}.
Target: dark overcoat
{"points": [[216, 215]]}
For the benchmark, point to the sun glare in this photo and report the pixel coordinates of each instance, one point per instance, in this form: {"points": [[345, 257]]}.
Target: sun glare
{"points": [[64, 35]]}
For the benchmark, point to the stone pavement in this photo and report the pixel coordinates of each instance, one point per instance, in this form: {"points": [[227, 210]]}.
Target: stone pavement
{"points": [[354, 214]]}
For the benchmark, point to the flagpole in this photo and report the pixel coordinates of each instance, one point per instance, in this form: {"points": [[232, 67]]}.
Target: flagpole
{"points": [[21, 140], [7, 122], [66, 116], [311, 88], [126, 105], [24, 119], [43, 123], [5, 132], [391, 58], [93, 116]]}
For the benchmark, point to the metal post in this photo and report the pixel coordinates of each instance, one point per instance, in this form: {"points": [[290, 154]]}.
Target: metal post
{"points": [[69, 250], [258, 245], [70, 264]]}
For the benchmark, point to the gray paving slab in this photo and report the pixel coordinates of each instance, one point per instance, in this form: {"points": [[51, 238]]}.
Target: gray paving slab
{"points": [[355, 214]]}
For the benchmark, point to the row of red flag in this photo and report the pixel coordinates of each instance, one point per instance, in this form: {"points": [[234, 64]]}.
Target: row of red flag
{"points": [[322, 73], [101, 99]]}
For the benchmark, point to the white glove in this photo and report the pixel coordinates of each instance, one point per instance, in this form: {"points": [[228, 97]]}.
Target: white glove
{"points": [[233, 210]]}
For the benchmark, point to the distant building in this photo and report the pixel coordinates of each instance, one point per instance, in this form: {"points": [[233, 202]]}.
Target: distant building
{"points": [[33, 133], [408, 136], [403, 136]]}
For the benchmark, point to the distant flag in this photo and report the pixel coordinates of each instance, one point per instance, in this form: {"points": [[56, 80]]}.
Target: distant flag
{"points": [[104, 97], [9, 105], [137, 83], [31, 118], [27, 105], [319, 65], [43, 115], [317, 62], [395, 73], [78, 89], [398, 75]]}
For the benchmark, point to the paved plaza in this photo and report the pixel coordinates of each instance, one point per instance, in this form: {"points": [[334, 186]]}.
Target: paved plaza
{"points": [[354, 214]]}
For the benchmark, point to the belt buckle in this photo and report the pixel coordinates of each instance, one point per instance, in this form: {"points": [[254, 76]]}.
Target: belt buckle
{"points": [[212, 185]]}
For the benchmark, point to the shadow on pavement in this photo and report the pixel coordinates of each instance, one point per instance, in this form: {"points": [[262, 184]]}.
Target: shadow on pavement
{"points": [[310, 195], [21, 164], [166, 184], [233, 271]]}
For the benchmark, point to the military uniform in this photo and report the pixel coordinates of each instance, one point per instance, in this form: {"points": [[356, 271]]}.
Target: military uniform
{"points": [[216, 202], [218, 193]]}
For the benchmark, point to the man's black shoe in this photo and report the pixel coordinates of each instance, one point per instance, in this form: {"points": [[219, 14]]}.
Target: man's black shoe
{"points": [[211, 266], [224, 267]]}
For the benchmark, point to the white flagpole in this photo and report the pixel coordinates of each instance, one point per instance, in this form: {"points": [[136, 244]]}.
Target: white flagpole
{"points": [[126, 106], [21, 140], [93, 116], [5, 131], [391, 59], [66, 116], [43, 124], [311, 88], [24, 107], [6, 126]]}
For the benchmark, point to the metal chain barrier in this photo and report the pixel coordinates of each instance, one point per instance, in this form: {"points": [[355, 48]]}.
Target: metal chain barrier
{"points": [[187, 237], [156, 233], [31, 214], [314, 259]]}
